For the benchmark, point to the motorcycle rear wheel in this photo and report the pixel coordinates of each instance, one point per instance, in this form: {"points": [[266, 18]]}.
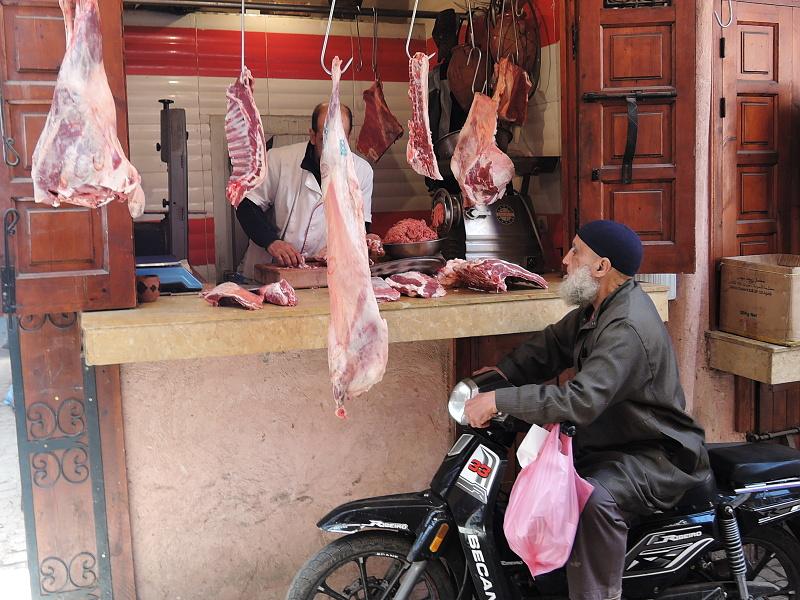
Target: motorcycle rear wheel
{"points": [[772, 556], [361, 566]]}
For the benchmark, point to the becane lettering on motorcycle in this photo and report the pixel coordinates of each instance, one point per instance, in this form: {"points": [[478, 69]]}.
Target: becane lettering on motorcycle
{"points": [[478, 474], [480, 566]]}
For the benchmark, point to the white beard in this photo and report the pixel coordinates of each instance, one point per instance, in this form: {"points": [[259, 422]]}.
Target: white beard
{"points": [[579, 287]]}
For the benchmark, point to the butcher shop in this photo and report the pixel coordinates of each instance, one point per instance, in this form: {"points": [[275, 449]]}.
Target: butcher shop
{"points": [[250, 247]]}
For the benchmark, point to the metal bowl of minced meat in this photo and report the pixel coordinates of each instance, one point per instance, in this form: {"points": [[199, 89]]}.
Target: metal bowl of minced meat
{"points": [[414, 249]]}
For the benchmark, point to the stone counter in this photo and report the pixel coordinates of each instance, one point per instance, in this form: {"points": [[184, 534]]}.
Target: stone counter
{"points": [[178, 327]]}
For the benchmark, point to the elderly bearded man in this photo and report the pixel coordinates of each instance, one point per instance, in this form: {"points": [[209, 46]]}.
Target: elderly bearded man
{"points": [[634, 441]]}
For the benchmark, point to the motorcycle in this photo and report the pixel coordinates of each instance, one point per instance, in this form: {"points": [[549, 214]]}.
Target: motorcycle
{"points": [[735, 535]]}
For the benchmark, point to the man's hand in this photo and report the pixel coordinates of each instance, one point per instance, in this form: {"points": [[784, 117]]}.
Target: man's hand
{"points": [[480, 409], [285, 254]]}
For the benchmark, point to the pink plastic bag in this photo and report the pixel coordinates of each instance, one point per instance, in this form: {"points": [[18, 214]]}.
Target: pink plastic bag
{"points": [[545, 504]]}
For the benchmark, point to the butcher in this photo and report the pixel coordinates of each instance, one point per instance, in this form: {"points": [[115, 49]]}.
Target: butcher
{"points": [[284, 217]]}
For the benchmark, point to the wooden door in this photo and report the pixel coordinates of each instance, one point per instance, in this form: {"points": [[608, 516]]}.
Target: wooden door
{"points": [[639, 49], [68, 258], [758, 163]]}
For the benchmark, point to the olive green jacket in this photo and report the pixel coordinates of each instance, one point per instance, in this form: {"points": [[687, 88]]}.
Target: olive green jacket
{"points": [[633, 434]]}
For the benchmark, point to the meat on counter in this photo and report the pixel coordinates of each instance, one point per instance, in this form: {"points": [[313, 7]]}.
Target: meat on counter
{"points": [[486, 274], [414, 283], [231, 294], [383, 291]]}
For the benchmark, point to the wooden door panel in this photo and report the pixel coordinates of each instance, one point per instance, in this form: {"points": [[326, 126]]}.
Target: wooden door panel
{"points": [[757, 185], [757, 152], [646, 207], [637, 56], [33, 24], [68, 258], [654, 145], [758, 51], [757, 123], [635, 51]]}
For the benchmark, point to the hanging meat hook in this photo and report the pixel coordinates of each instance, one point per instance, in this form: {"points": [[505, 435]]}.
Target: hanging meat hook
{"points": [[358, 38], [375, 43], [410, 29], [325, 44]]}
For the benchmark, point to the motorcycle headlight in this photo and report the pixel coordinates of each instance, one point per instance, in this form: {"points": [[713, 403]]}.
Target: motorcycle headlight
{"points": [[463, 391]]}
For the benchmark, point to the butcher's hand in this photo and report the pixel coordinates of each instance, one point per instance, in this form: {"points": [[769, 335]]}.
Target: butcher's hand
{"points": [[480, 409], [483, 370], [285, 254], [375, 246]]}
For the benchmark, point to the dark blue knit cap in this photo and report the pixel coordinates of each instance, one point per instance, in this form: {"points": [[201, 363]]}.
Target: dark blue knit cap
{"points": [[616, 242]]}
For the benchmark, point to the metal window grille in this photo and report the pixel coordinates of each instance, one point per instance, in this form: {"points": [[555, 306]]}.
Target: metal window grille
{"points": [[635, 3]]}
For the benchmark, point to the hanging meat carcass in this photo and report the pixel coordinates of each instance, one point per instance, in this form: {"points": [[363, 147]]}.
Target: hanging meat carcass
{"points": [[481, 169], [358, 338], [511, 92], [419, 152], [381, 128], [245, 135], [515, 34], [78, 158]]}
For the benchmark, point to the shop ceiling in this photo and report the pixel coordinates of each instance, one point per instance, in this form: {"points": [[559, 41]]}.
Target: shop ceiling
{"points": [[344, 8]]}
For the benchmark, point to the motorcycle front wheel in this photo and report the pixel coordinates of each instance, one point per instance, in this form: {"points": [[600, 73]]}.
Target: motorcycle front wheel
{"points": [[362, 566]]}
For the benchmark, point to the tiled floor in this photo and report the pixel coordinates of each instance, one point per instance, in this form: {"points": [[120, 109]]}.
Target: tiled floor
{"points": [[14, 579]]}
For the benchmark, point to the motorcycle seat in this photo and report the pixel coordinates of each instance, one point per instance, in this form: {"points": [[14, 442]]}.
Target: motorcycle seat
{"points": [[742, 464]]}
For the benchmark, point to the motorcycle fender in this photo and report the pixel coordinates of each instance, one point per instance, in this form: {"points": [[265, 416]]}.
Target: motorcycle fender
{"points": [[400, 513]]}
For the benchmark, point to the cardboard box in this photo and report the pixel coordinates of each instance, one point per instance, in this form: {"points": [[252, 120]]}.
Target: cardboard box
{"points": [[760, 297]]}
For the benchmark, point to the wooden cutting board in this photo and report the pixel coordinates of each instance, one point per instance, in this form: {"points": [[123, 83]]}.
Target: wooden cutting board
{"points": [[310, 277]]}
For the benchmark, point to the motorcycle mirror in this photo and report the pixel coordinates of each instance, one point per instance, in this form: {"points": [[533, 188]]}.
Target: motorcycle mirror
{"points": [[464, 390]]}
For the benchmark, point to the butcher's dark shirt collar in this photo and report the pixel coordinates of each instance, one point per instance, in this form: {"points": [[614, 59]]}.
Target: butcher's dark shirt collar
{"points": [[311, 164]]}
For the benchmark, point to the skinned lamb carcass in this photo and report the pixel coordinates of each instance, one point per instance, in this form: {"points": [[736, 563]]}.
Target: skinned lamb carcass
{"points": [[480, 167], [245, 135], [78, 158], [358, 338]]}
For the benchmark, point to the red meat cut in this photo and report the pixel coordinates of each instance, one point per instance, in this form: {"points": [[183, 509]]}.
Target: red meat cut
{"points": [[414, 283], [486, 274], [381, 128], [78, 158], [511, 92], [479, 166], [383, 291], [419, 151], [230, 294], [245, 135], [281, 293]]}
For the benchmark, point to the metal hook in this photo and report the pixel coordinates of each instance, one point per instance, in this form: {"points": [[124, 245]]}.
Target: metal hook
{"points": [[514, 3], [325, 44], [500, 34], [375, 42], [411, 28], [477, 67], [242, 35], [730, 16], [358, 38], [471, 29]]}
